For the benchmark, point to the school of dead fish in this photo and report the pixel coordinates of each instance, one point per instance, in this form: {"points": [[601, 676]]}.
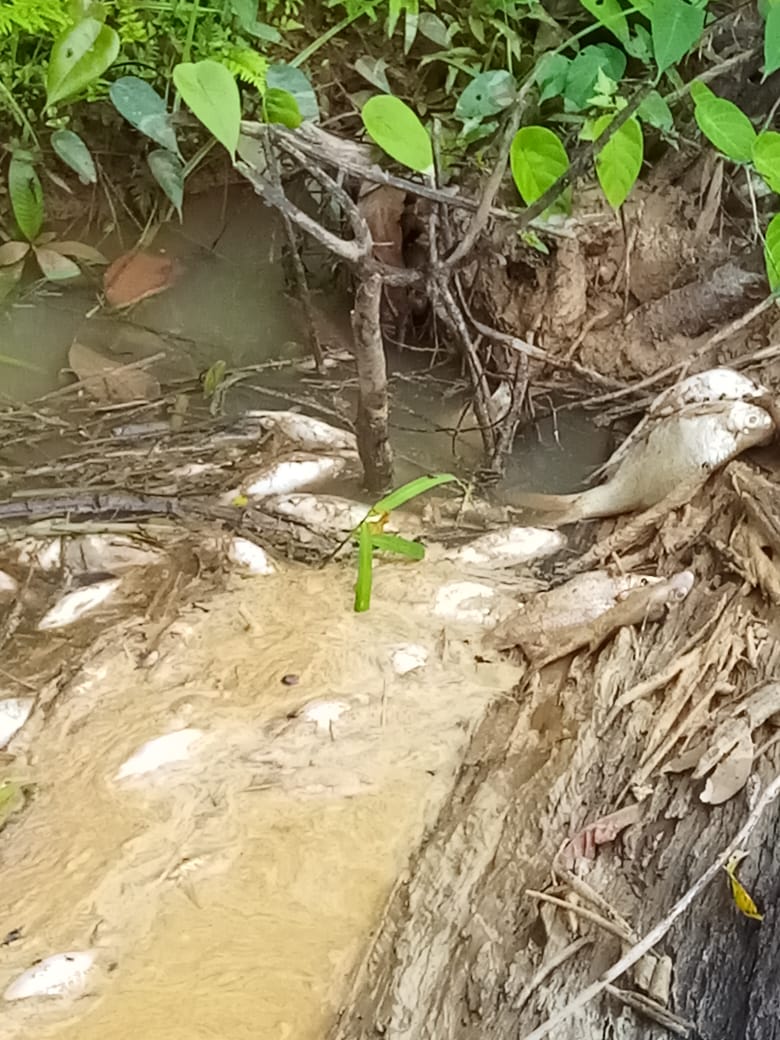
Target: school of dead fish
{"points": [[687, 433]]}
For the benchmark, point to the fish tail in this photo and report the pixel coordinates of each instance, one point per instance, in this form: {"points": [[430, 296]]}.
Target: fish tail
{"points": [[562, 509]]}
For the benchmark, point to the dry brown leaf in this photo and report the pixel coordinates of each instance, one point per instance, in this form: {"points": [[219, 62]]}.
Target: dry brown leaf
{"points": [[136, 275], [382, 209], [602, 831], [732, 773], [761, 705], [110, 381]]}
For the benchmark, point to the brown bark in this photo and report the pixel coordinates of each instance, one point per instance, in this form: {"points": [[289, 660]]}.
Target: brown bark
{"points": [[373, 409]]}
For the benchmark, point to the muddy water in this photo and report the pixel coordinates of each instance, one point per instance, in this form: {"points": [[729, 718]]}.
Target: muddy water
{"points": [[230, 895]]}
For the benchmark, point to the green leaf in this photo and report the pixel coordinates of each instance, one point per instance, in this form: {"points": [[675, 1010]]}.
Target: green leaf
{"points": [[54, 266], [766, 158], [211, 94], [168, 171], [79, 57], [26, 197], [143, 108], [725, 125], [620, 160], [213, 377], [772, 253], [676, 26], [583, 73], [434, 29], [365, 574], [293, 81], [279, 106], [245, 12], [74, 153], [395, 543], [611, 16], [396, 129], [772, 41], [537, 159], [374, 70], [655, 111], [487, 94], [408, 491], [550, 75]]}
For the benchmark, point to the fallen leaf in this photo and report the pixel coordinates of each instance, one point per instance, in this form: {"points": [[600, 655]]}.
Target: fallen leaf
{"points": [[13, 252], [730, 775], [110, 381], [136, 276], [602, 831], [382, 209], [741, 896]]}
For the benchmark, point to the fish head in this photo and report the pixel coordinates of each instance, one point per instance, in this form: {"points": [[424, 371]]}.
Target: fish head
{"points": [[749, 424]]}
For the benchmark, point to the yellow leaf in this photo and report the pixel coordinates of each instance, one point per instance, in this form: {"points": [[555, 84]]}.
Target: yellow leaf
{"points": [[240, 501], [741, 897]]}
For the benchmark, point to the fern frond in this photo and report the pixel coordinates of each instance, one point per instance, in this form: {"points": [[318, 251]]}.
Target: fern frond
{"points": [[249, 66]]}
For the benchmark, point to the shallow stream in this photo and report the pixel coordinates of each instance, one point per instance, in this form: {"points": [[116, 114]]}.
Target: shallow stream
{"points": [[231, 895]]}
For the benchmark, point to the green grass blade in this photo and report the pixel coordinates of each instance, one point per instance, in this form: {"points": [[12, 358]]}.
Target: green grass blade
{"points": [[411, 490], [395, 543], [365, 569]]}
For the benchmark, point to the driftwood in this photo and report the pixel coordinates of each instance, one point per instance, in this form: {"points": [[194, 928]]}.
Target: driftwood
{"points": [[464, 952]]}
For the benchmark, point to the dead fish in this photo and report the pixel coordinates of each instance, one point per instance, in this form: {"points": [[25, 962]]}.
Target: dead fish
{"points": [[251, 556], [291, 474], [303, 431], [14, 712], [579, 601], [108, 552], [325, 514], [162, 751], [76, 604], [509, 547], [717, 384], [55, 976], [637, 607], [469, 602], [8, 585], [680, 450]]}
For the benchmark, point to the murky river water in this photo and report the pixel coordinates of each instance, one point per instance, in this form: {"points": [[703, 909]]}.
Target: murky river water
{"points": [[231, 895]]}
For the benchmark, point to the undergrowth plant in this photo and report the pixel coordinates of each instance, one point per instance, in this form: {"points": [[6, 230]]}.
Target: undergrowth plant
{"points": [[371, 536]]}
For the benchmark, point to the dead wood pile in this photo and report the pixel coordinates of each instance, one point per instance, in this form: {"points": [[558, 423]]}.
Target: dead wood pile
{"points": [[675, 726]]}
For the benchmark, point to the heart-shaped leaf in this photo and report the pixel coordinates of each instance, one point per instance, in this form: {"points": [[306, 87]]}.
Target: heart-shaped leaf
{"points": [[143, 108], [74, 153], [374, 70], [279, 106], [79, 57], [293, 81], [676, 27], [537, 159], [487, 94], [211, 94], [168, 171], [397, 130], [620, 160], [26, 197]]}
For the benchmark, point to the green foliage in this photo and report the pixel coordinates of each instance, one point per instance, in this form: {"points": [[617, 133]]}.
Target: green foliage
{"points": [[370, 535], [772, 253], [723, 123], [398, 131], [537, 159], [620, 160]]}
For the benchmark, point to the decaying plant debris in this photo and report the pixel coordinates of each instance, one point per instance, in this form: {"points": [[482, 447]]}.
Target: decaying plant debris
{"points": [[673, 726]]}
